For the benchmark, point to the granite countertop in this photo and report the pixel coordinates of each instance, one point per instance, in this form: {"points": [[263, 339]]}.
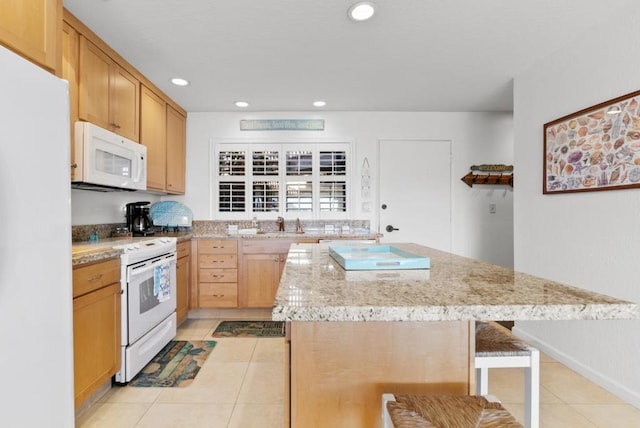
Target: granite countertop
{"points": [[314, 287], [87, 252]]}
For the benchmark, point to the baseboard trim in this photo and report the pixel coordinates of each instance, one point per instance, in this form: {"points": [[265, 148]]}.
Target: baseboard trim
{"points": [[621, 391]]}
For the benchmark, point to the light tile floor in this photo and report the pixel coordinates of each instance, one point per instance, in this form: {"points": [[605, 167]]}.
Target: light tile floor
{"points": [[241, 386]]}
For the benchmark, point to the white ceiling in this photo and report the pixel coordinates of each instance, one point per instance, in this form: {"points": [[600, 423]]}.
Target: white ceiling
{"points": [[280, 55]]}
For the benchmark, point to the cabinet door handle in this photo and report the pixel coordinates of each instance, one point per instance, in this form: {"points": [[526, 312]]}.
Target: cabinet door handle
{"points": [[95, 277], [217, 276], [218, 295]]}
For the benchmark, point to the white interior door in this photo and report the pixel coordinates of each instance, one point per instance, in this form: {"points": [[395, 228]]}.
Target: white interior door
{"points": [[415, 192]]}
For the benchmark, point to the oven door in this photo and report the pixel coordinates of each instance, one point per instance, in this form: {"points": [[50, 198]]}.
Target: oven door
{"points": [[151, 294]]}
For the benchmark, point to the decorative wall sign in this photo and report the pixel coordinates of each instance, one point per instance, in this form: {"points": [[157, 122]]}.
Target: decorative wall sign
{"points": [[282, 125], [597, 148]]}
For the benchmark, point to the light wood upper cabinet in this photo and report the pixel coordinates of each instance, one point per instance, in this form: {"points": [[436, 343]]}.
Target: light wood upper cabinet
{"points": [[109, 96], [69, 72], [176, 151], [153, 134], [163, 131], [32, 29]]}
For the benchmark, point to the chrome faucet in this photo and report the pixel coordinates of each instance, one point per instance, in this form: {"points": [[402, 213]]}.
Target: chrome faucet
{"points": [[298, 226], [280, 224]]}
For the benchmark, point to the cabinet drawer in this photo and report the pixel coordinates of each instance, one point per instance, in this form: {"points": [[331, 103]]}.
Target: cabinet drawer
{"points": [[218, 295], [218, 275], [183, 249], [217, 246], [94, 276], [218, 261]]}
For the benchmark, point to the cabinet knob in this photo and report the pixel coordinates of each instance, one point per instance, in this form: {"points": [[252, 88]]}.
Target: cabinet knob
{"points": [[74, 165]]}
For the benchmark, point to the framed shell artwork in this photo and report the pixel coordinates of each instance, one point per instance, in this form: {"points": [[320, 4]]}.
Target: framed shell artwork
{"points": [[597, 148]]}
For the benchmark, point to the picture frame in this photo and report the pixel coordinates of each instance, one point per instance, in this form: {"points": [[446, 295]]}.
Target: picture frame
{"points": [[597, 148]]}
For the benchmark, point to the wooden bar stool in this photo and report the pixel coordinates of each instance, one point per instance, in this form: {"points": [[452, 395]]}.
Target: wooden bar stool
{"points": [[497, 347], [444, 411]]}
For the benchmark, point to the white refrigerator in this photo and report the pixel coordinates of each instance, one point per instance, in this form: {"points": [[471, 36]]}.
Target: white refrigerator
{"points": [[36, 339]]}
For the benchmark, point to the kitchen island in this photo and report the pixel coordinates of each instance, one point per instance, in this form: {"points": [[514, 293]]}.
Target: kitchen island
{"points": [[352, 335]]}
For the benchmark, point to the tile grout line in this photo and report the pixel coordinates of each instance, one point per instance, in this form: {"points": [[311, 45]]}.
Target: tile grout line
{"points": [[244, 377]]}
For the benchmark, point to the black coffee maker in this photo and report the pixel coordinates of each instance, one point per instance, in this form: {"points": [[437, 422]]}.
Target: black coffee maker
{"points": [[138, 220]]}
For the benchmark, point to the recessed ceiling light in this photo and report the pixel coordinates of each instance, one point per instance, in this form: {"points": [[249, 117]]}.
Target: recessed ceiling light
{"points": [[319, 103], [361, 11], [241, 104], [179, 82]]}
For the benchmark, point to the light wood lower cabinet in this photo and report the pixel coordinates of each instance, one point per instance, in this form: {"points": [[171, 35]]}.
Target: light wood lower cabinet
{"points": [[217, 279], [96, 326], [261, 266], [182, 279]]}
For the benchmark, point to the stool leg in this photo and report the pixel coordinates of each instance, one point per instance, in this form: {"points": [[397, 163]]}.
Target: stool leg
{"points": [[482, 381], [532, 392]]}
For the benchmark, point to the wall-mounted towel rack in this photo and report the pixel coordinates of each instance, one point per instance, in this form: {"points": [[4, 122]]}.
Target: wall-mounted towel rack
{"points": [[489, 174]]}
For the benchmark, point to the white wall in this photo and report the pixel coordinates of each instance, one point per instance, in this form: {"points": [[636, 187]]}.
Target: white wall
{"points": [[91, 207], [589, 240], [477, 138]]}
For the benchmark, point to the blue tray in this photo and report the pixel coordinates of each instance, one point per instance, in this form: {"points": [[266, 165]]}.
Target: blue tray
{"points": [[372, 257]]}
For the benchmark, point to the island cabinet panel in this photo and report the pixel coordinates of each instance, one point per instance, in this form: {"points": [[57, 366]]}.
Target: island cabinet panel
{"points": [[261, 266], [96, 326], [182, 279], [217, 274], [31, 28], [339, 370]]}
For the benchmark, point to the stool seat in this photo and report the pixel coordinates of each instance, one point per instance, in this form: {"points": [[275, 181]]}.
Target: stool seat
{"points": [[444, 411], [494, 340], [497, 347]]}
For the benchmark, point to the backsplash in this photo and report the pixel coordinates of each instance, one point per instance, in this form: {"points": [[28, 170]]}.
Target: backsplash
{"points": [[220, 227], [84, 232]]}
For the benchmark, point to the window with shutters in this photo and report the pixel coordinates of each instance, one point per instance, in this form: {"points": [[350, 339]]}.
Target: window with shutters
{"points": [[284, 179]]}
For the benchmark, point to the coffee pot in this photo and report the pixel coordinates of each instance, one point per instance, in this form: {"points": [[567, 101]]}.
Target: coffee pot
{"points": [[138, 220]]}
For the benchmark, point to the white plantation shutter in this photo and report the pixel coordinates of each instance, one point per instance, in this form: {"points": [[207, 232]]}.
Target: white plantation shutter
{"points": [[302, 180]]}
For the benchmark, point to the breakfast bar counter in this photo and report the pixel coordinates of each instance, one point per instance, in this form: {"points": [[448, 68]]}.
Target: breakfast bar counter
{"points": [[353, 335]]}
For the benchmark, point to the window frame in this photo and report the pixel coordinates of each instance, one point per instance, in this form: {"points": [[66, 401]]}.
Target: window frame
{"points": [[315, 146]]}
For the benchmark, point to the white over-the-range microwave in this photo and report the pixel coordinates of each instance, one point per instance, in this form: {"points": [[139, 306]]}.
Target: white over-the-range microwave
{"points": [[106, 161]]}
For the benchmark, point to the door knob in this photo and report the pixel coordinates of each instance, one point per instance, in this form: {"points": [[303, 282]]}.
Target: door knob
{"points": [[391, 228]]}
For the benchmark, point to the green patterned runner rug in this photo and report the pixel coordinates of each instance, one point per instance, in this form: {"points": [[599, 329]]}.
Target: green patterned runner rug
{"points": [[249, 329], [177, 364]]}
